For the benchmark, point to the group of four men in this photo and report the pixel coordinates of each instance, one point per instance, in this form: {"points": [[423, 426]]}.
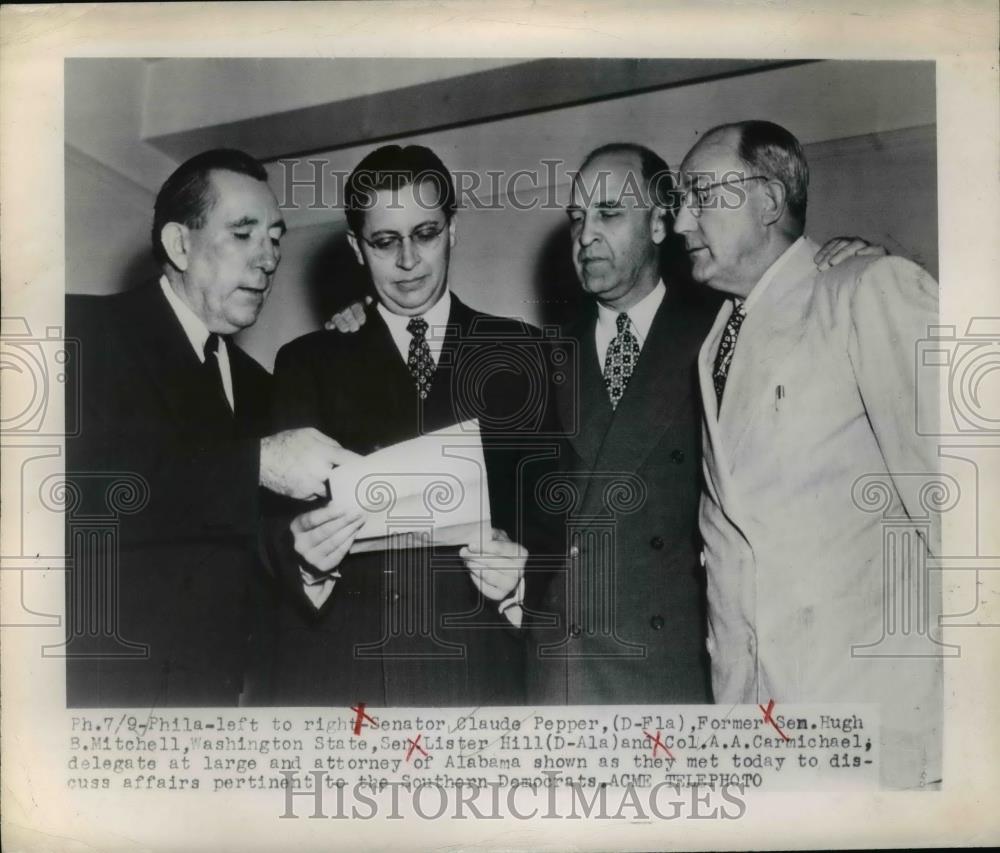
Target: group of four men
{"points": [[613, 528]]}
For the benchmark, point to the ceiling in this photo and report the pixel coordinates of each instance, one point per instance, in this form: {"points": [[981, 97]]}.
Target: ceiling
{"points": [[293, 107]]}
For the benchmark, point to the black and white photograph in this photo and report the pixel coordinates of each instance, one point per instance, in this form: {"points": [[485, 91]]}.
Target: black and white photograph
{"points": [[610, 411]]}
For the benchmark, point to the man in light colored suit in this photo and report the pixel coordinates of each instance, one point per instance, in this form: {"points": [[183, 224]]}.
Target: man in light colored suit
{"points": [[808, 386]]}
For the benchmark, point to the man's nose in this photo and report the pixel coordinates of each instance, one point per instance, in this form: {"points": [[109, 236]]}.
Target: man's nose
{"points": [[684, 220], [268, 257], [406, 255], [588, 231]]}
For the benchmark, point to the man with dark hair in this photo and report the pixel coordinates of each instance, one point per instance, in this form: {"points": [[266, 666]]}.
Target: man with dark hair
{"points": [[808, 386], [179, 413], [393, 167], [422, 626]]}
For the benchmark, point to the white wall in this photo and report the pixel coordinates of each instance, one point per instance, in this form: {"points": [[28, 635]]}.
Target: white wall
{"points": [[108, 219], [869, 131], [879, 186]]}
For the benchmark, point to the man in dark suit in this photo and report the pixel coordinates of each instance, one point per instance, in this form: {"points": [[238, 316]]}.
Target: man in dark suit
{"points": [[422, 626], [629, 601], [175, 438]]}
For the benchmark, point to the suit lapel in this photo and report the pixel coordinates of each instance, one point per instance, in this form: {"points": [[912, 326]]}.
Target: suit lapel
{"points": [[385, 382], [159, 341], [771, 331], [251, 392], [439, 409], [585, 402], [660, 384]]}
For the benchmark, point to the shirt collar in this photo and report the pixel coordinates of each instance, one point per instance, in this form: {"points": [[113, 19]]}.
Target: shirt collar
{"points": [[640, 315], [436, 317], [196, 331], [770, 274]]}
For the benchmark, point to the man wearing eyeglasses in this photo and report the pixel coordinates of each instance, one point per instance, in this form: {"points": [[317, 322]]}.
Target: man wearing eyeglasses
{"points": [[630, 602], [808, 387], [373, 627]]}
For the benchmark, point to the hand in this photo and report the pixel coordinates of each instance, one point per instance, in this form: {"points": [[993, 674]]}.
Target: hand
{"points": [[324, 536], [349, 319], [296, 462], [497, 569], [841, 248]]}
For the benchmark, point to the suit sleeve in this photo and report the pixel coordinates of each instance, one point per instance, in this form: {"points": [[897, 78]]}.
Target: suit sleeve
{"points": [[894, 302], [295, 405], [196, 489]]}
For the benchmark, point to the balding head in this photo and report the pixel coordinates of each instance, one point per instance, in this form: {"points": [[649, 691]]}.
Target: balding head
{"points": [[745, 203]]}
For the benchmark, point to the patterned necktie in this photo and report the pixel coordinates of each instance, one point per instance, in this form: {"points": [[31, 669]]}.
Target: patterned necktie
{"points": [[727, 346], [622, 355], [213, 367], [419, 362]]}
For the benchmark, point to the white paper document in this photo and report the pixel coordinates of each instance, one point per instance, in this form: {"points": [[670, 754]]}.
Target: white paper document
{"points": [[430, 490]]}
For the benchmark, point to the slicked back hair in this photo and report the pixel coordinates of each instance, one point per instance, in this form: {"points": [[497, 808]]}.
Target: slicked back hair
{"points": [[187, 195], [393, 167]]}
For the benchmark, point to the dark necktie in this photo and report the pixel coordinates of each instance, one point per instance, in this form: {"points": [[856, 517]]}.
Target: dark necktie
{"points": [[419, 362], [620, 361], [727, 346], [213, 368]]}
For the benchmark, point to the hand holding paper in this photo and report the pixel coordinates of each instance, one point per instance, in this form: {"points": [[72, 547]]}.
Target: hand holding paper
{"points": [[496, 566], [324, 536], [430, 490], [296, 462]]}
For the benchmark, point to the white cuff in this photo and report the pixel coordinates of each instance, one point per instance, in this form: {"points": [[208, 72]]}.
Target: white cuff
{"points": [[318, 587]]}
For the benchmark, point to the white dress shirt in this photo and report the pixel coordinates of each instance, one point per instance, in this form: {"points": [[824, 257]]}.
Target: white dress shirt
{"points": [[197, 333], [640, 318], [437, 320]]}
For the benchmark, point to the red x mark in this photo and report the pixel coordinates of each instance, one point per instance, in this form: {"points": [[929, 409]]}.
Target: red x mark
{"points": [[362, 717], [415, 744], [658, 743], [769, 719]]}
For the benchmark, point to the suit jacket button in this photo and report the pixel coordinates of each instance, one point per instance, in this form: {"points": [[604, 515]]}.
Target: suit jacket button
{"points": [[574, 551], [575, 631], [657, 543], [656, 622], [676, 456]]}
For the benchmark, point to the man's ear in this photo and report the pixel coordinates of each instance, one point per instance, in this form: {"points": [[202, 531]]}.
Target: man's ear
{"points": [[658, 224], [176, 243], [357, 248], [774, 202], [451, 232]]}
